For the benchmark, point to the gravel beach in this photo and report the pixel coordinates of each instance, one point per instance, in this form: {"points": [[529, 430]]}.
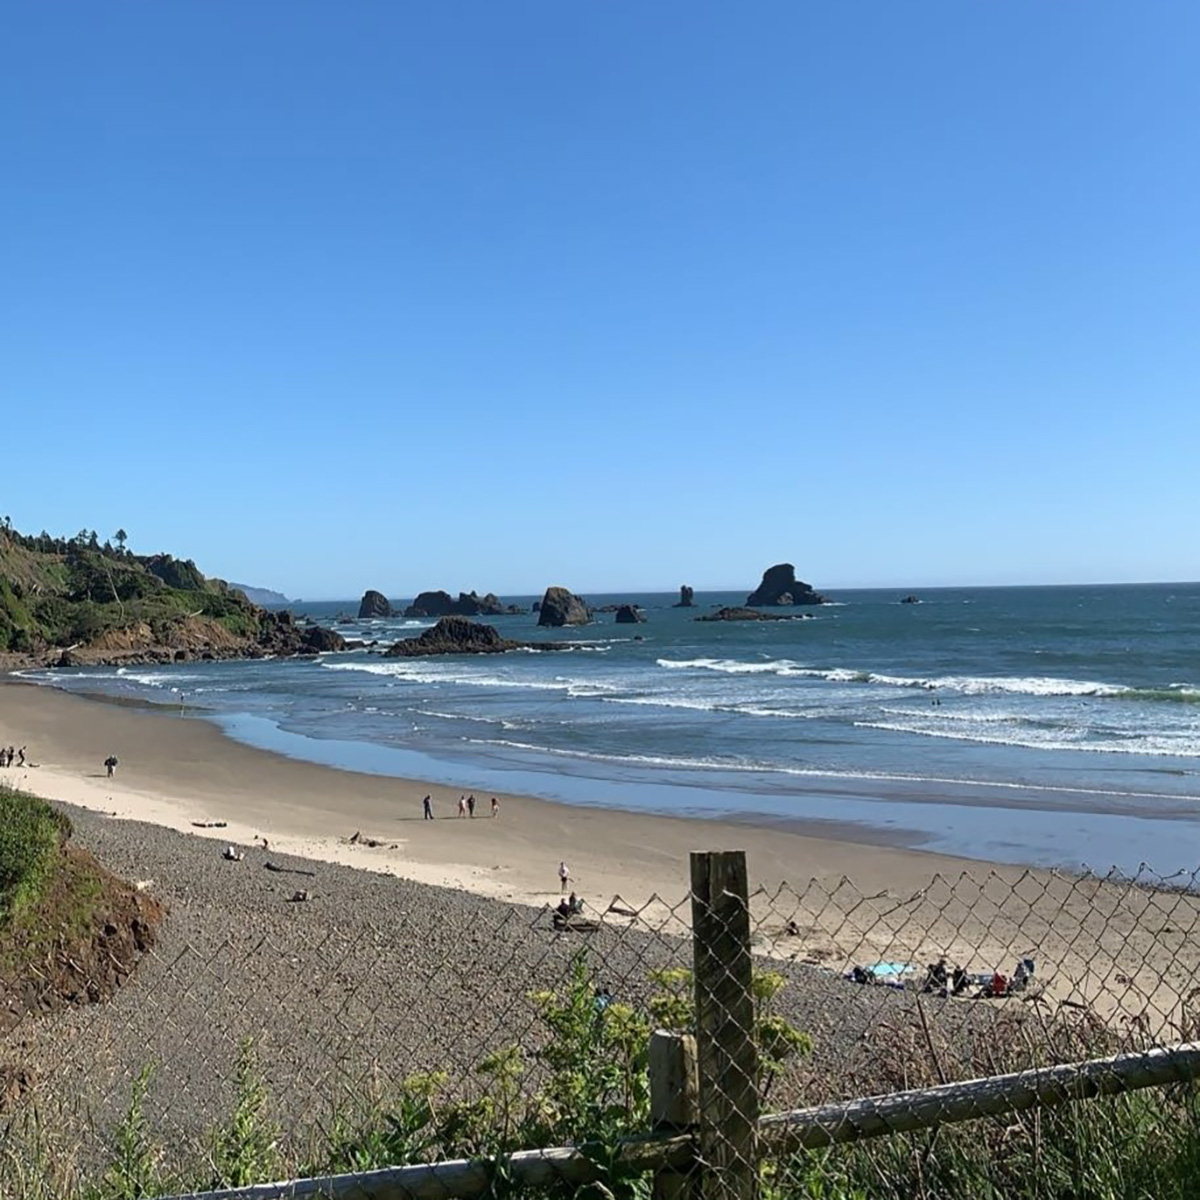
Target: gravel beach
{"points": [[368, 981]]}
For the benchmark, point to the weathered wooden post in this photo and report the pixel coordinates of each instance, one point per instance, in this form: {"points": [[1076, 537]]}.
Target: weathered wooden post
{"points": [[726, 1050], [673, 1105]]}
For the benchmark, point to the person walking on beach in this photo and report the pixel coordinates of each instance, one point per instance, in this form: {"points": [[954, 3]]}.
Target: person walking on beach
{"points": [[427, 805], [462, 806], [471, 806], [111, 763], [495, 807], [20, 757], [564, 877]]}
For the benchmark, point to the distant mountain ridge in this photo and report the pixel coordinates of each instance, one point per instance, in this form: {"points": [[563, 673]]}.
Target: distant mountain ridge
{"points": [[262, 596]]}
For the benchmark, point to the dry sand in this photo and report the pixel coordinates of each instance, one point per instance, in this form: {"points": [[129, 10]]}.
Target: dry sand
{"points": [[1129, 950]]}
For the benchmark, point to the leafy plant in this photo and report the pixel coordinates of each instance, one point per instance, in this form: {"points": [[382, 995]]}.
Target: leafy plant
{"points": [[245, 1148]]}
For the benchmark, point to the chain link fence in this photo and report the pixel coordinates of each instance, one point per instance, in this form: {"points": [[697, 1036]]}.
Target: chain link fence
{"points": [[817, 1041]]}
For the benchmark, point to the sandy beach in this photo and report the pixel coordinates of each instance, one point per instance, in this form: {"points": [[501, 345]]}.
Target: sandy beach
{"points": [[179, 770], [1124, 947]]}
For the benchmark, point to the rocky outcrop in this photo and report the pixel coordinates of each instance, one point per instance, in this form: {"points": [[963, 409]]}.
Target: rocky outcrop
{"points": [[319, 640], [457, 635], [468, 604], [685, 597], [561, 607], [374, 604], [629, 614], [749, 614], [453, 635], [781, 588]]}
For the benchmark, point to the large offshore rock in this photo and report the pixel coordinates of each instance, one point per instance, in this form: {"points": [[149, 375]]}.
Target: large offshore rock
{"points": [[629, 614], [562, 607], [780, 587], [454, 635], [374, 604], [685, 597]]}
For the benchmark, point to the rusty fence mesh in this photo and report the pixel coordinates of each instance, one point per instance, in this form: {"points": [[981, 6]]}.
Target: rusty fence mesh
{"points": [[309, 1050]]}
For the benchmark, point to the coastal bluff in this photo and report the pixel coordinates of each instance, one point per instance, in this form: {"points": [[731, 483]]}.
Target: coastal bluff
{"points": [[781, 589]]}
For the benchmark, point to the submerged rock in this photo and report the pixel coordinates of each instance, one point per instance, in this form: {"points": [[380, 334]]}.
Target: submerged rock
{"points": [[781, 588], [562, 607], [749, 614]]}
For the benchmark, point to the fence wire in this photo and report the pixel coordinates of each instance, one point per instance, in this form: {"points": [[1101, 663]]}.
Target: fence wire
{"points": [[315, 1047]]}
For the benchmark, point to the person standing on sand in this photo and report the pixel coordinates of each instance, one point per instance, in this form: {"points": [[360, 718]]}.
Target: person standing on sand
{"points": [[471, 806], [427, 805], [20, 757], [462, 806], [564, 877], [495, 807], [111, 763]]}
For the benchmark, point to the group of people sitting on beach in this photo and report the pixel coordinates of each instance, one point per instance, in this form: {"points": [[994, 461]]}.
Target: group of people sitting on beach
{"points": [[943, 980], [7, 756]]}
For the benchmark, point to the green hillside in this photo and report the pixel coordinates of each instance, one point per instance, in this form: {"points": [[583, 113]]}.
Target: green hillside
{"points": [[59, 592]]}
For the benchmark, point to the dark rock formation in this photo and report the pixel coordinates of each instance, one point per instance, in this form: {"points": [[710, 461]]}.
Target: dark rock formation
{"points": [[280, 635], [561, 607], [747, 614], [442, 604], [374, 604], [513, 610], [685, 597], [318, 640], [457, 635], [781, 588], [630, 614], [453, 635]]}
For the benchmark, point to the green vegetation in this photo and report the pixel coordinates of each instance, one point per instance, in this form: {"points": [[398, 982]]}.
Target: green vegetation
{"points": [[30, 835], [58, 592]]}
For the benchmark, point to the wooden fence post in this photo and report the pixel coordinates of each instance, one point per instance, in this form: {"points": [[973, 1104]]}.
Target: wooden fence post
{"points": [[673, 1105], [726, 1050]]}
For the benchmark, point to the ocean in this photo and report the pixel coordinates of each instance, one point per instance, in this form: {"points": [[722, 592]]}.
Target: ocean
{"points": [[1041, 725]]}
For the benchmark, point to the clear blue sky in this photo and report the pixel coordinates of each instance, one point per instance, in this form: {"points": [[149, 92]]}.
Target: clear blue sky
{"points": [[614, 295]]}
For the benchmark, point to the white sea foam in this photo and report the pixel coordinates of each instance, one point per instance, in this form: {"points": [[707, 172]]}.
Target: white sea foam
{"points": [[154, 679], [970, 685], [821, 773], [1077, 739]]}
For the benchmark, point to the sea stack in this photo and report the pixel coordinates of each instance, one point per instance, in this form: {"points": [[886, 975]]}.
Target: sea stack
{"points": [[685, 597], [442, 604], [562, 607], [780, 588], [374, 604], [629, 614]]}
